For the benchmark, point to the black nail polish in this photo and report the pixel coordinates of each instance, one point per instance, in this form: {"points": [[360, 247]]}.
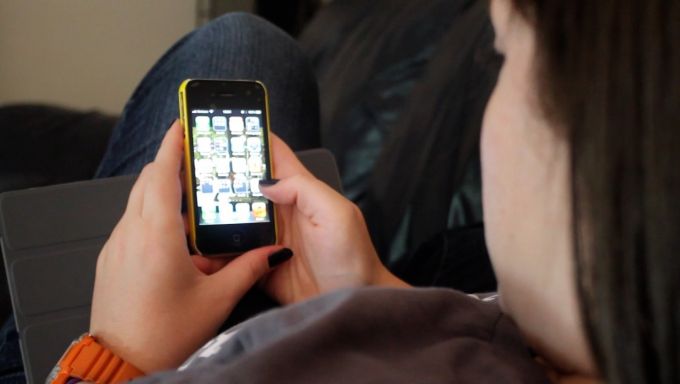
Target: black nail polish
{"points": [[279, 257], [268, 182]]}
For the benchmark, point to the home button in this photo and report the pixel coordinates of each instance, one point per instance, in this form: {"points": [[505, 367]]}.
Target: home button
{"points": [[237, 239]]}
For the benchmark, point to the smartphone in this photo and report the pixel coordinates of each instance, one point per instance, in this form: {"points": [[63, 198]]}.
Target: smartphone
{"points": [[226, 154]]}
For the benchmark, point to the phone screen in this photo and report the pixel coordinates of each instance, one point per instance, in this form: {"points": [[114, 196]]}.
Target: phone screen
{"points": [[229, 152]]}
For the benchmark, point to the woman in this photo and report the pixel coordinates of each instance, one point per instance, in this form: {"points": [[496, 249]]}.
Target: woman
{"points": [[579, 144]]}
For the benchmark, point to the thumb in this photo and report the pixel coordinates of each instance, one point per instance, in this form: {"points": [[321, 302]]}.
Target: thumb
{"points": [[311, 197], [242, 273]]}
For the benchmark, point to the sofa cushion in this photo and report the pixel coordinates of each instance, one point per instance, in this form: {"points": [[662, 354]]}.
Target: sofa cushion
{"points": [[44, 145]]}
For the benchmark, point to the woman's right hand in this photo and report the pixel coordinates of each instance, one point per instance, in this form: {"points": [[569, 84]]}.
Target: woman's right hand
{"points": [[326, 232]]}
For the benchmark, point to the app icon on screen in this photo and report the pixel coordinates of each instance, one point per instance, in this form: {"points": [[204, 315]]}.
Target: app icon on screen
{"points": [[253, 124], [203, 198], [243, 210], [238, 144], [204, 166], [208, 212], [255, 164], [240, 183], [224, 187], [236, 124], [238, 165], [207, 187], [222, 166], [204, 145], [259, 210], [220, 145], [219, 124], [255, 186], [226, 211], [202, 123], [255, 144]]}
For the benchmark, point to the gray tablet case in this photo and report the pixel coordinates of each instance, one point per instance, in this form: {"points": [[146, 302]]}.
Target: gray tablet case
{"points": [[50, 239]]}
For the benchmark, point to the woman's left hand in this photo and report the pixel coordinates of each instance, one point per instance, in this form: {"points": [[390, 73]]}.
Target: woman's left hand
{"points": [[152, 305]]}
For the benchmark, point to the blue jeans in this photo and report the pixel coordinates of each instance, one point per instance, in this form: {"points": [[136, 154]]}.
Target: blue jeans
{"points": [[234, 46]]}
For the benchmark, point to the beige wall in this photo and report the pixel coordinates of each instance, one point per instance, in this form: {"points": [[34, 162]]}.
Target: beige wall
{"points": [[84, 53]]}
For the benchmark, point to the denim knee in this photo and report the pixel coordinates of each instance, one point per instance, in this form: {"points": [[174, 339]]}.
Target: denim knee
{"points": [[234, 46], [243, 31], [247, 24], [247, 46]]}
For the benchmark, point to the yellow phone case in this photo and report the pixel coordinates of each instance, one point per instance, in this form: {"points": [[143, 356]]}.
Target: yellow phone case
{"points": [[188, 174]]}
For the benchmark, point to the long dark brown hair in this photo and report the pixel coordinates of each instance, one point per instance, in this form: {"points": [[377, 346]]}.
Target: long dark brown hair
{"points": [[609, 72]]}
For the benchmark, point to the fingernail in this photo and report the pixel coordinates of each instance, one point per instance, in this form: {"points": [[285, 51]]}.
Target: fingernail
{"points": [[279, 257], [268, 182]]}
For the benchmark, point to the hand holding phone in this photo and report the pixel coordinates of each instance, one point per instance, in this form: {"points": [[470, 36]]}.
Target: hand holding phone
{"points": [[152, 306]]}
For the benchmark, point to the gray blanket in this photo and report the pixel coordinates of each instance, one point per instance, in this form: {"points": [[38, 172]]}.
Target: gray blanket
{"points": [[371, 335]]}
